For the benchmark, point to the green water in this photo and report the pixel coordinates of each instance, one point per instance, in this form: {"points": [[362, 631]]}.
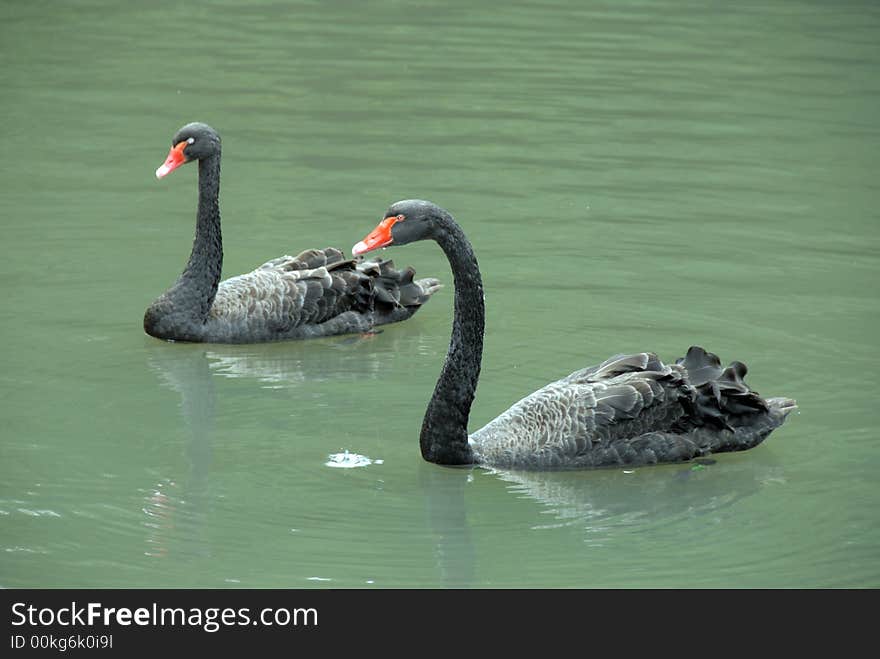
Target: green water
{"points": [[633, 175]]}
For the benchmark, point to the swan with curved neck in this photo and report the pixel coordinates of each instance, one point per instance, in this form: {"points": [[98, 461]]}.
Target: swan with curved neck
{"points": [[628, 410], [316, 293]]}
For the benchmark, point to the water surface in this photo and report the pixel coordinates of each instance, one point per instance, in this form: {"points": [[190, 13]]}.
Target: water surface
{"points": [[633, 175]]}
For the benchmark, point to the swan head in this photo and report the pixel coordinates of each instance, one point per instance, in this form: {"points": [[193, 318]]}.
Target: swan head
{"points": [[192, 142], [404, 222]]}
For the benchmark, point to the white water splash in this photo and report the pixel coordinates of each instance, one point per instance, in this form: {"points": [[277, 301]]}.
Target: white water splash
{"points": [[350, 460]]}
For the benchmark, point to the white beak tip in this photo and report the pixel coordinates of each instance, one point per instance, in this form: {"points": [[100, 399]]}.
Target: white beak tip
{"points": [[359, 248], [162, 171]]}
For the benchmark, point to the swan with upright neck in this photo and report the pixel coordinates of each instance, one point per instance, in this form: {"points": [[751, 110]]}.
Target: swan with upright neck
{"points": [[316, 293], [628, 410]]}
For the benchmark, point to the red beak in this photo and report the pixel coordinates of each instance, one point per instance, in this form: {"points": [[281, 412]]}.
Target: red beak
{"points": [[174, 160], [378, 237]]}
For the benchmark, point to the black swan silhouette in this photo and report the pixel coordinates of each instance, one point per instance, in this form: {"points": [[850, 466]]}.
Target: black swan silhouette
{"points": [[628, 410], [316, 293]]}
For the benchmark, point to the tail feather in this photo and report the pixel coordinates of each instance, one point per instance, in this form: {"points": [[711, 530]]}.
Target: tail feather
{"points": [[721, 399], [422, 290], [781, 406], [728, 427], [397, 294]]}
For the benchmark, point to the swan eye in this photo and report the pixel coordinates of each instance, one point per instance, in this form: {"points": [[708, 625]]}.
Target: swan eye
{"points": [[190, 140], [401, 218]]}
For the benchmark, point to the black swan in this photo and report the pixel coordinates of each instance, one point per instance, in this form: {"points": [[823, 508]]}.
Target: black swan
{"points": [[316, 293], [628, 410]]}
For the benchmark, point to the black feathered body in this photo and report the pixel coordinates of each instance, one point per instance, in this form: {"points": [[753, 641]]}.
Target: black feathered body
{"points": [[316, 293], [631, 410]]}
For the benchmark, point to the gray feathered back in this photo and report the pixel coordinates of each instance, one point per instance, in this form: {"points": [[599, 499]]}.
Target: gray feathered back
{"points": [[628, 410]]}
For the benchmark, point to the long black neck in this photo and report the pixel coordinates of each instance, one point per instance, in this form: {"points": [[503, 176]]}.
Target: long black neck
{"points": [[196, 287], [444, 437]]}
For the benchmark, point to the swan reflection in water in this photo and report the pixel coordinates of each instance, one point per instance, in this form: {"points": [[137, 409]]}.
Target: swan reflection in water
{"points": [[599, 504], [176, 506]]}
